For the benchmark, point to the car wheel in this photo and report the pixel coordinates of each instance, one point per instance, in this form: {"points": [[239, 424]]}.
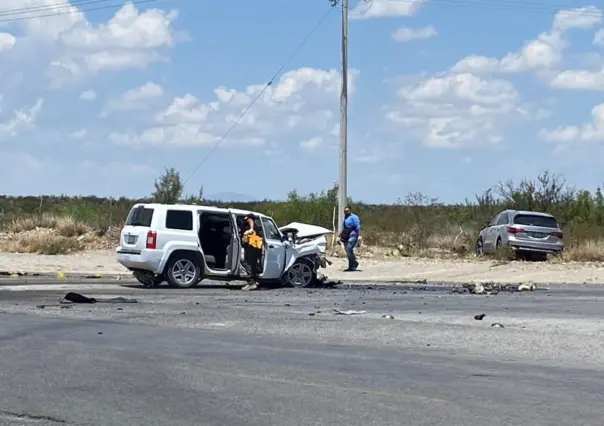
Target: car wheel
{"points": [[498, 244], [183, 271], [301, 274], [479, 248]]}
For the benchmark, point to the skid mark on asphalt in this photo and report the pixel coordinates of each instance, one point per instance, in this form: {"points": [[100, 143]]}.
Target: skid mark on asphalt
{"points": [[29, 418], [68, 287]]}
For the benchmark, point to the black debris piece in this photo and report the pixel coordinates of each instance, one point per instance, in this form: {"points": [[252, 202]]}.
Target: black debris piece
{"points": [[479, 317], [77, 298]]}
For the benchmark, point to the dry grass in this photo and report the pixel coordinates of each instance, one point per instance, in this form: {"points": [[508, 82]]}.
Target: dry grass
{"points": [[42, 243], [66, 226], [451, 244], [53, 234], [586, 251]]}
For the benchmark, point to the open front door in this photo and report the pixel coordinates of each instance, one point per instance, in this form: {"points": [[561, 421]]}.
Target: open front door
{"points": [[274, 249]]}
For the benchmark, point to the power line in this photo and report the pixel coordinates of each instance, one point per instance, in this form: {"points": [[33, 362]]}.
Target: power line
{"points": [[266, 86], [513, 5], [71, 12], [19, 11]]}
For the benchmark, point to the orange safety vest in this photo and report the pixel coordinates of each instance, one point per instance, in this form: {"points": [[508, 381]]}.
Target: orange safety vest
{"points": [[250, 237]]}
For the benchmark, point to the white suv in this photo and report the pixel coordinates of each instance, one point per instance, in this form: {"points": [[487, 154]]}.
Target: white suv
{"points": [[182, 244]]}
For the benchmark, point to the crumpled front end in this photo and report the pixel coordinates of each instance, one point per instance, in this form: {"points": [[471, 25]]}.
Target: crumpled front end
{"points": [[308, 245]]}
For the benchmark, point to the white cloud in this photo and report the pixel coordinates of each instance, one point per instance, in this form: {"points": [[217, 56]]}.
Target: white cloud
{"points": [[23, 119], [384, 8], [88, 95], [303, 104], [588, 132], [128, 29], [43, 29], [7, 41], [464, 87], [79, 134], [134, 99], [404, 34], [583, 18], [130, 40], [312, 143], [579, 80], [455, 110], [542, 53]]}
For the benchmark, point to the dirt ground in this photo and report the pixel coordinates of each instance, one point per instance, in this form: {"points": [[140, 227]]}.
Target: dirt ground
{"points": [[371, 270]]}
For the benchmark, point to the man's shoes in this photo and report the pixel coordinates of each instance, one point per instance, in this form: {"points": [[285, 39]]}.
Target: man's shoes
{"points": [[354, 267], [250, 287]]}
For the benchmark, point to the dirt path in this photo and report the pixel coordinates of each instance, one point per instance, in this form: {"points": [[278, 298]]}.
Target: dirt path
{"points": [[432, 270]]}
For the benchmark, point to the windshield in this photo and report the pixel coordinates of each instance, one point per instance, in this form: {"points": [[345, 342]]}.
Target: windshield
{"points": [[535, 220], [140, 216]]}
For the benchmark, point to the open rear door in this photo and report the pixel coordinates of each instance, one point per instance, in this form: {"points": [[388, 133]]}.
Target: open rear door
{"points": [[234, 251], [274, 249]]}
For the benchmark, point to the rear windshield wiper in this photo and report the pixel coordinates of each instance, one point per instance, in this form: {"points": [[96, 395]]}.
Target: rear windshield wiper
{"points": [[135, 223]]}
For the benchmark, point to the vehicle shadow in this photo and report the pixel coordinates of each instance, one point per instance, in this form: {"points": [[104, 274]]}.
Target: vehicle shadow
{"points": [[236, 287]]}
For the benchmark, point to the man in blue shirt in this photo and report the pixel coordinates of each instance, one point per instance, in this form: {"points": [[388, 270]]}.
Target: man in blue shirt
{"points": [[350, 237]]}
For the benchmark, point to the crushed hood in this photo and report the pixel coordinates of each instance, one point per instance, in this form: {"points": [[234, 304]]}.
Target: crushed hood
{"points": [[303, 230]]}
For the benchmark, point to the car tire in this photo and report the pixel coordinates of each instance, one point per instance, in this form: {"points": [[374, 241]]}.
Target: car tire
{"points": [[479, 247], [301, 274], [498, 244], [149, 282], [183, 271]]}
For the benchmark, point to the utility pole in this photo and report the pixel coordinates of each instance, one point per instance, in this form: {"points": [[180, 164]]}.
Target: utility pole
{"points": [[343, 180]]}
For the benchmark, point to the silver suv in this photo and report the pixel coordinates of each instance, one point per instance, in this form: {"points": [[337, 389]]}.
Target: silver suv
{"points": [[524, 231]]}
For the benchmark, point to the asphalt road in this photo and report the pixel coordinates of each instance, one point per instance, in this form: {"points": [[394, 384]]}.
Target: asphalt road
{"points": [[218, 356]]}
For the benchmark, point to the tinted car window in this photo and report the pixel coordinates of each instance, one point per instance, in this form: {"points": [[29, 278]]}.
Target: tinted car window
{"points": [[179, 219], [494, 221], [140, 216], [270, 229], [242, 225], [503, 219], [534, 220]]}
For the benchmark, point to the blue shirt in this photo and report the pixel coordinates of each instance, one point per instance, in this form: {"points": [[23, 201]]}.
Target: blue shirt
{"points": [[352, 222]]}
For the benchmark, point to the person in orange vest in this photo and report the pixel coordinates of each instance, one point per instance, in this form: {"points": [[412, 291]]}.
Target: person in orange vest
{"points": [[252, 249]]}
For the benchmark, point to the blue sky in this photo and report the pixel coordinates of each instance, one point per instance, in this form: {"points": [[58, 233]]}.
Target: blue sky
{"points": [[447, 97]]}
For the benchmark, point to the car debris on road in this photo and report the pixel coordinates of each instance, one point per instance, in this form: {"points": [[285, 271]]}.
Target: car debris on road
{"points": [[75, 298], [492, 288]]}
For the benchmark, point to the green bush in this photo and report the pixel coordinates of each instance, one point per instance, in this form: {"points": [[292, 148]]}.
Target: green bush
{"points": [[416, 220]]}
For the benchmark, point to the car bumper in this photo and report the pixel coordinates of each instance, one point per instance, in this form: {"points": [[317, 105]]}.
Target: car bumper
{"points": [[146, 260], [536, 248]]}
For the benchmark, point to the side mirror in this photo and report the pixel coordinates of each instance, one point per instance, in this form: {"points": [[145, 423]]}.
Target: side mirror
{"points": [[486, 225], [288, 237]]}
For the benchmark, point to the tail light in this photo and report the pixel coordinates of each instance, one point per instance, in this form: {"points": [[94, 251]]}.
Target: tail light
{"points": [[514, 230], [558, 234], [151, 240]]}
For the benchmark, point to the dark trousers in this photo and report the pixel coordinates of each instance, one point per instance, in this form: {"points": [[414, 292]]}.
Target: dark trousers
{"points": [[251, 262]]}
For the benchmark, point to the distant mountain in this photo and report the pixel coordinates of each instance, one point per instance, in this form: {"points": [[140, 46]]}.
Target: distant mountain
{"points": [[231, 196]]}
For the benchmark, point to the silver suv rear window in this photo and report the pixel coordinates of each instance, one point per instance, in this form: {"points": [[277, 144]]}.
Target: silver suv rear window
{"points": [[535, 220], [140, 216]]}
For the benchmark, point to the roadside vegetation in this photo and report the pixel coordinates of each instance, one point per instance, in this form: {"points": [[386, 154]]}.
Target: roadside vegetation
{"points": [[416, 225]]}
